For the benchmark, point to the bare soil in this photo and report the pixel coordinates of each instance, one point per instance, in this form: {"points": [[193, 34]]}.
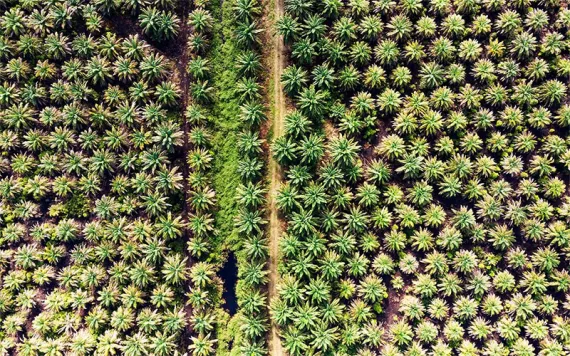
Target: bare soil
{"points": [[276, 60]]}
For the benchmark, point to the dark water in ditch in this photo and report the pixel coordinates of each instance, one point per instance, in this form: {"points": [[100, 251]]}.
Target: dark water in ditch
{"points": [[229, 273]]}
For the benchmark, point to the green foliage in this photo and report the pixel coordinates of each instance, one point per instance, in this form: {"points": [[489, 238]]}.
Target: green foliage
{"points": [[89, 249], [228, 86], [441, 177], [76, 207]]}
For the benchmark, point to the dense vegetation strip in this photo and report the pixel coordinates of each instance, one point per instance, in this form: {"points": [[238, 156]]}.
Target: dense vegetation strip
{"points": [[429, 214], [226, 94]]}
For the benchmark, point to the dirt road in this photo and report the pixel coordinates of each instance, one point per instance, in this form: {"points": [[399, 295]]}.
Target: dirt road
{"points": [[279, 106]]}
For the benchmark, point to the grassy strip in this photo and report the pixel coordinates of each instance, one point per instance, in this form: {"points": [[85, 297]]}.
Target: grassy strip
{"points": [[224, 123]]}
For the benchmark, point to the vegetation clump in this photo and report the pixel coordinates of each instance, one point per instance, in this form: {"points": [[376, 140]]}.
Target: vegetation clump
{"points": [[226, 155]]}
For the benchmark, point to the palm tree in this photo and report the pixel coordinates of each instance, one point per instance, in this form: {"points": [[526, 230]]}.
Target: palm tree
{"points": [[294, 79], [38, 187], [250, 168], [198, 67], [523, 45], [304, 51], [19, 116], [202, 345], [200, 159], [294, 341], [302, 223], [248, 63], [174, 269], [153, 66], [247, 33], [202, 199], [253, 326], [248, 221], [201, 91], [288, 27], [167, 93], [253, 274], [311, 149], [247, 9], [201, 225], [290, 245], [197, 43], [198, 246], [552, 92], [136, 345], [248, 89], [169, 181], [314, 196], [200, 20], [201, 274], [108, 343], [284, 150], [250, 195], [199, 136], [163, 344], [281, 313], [302, 266], [255, 247], [250, 143], [431, 75], [155, 203], [349, 78], [202, 322], [401, 332], [314, 27], [324, 337], [288, 198], [160, 25], [343, 150]]}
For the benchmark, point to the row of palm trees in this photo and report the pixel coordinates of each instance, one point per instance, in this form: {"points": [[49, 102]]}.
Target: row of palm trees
{"points": [[426, 166], [89, 216], [205, 293], [253, 254]]}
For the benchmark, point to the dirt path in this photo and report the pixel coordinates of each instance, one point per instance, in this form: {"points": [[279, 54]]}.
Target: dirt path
{"points": [[279, 106]]}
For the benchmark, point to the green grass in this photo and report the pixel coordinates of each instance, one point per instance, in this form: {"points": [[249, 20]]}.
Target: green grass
{"points": [[224, 123]]}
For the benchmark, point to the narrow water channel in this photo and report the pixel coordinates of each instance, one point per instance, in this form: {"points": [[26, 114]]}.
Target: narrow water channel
{"points": [[229, 274]]}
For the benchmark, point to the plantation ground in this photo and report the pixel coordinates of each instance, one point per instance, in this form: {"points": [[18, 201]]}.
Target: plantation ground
{"points": [[390, 177]]}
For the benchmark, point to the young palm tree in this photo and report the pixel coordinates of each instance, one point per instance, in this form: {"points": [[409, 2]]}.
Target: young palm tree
{"points": [[248, 222], [293, 79], [174, 269], [312, 102], [247, 33], [248, 63], [202, 345], [200, 20], [284, 150]]}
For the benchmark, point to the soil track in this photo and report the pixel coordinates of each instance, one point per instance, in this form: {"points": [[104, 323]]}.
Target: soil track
{"points": [[274, 172]]}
